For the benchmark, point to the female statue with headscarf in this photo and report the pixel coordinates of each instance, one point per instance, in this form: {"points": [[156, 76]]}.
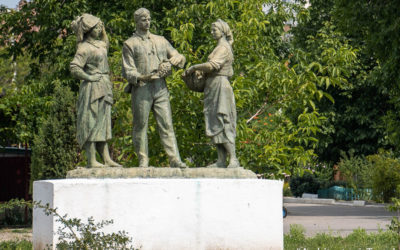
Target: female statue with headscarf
{"points": [[219, 101], [95, 93]]}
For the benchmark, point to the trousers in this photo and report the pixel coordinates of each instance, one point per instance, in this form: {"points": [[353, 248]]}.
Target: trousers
{"points": [[153, 96]]}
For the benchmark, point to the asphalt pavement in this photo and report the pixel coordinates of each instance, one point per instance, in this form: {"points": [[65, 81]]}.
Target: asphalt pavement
{"points": [[336, 219]]}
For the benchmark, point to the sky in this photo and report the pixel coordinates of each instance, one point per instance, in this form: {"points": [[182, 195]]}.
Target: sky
{"points": [[9, 3]]}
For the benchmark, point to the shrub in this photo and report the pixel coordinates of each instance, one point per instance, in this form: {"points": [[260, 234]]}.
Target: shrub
{"points": [[55, 148], [357, 172], [15, 216], [75, 234], [304, 184], [395, 222], [16, 245], [385, 176], [359, 239], [286, 190]]}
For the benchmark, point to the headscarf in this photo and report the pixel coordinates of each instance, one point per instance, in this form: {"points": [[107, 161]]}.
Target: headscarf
{"points": [[224, 27], [82, 24]]}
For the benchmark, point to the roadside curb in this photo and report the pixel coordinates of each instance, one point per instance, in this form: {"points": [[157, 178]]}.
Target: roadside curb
{"points": [[355, 203]]}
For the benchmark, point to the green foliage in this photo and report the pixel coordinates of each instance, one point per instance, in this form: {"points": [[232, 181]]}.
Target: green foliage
{"points": [[12, 71], [355, 120], [75, 234], [357, 172], [277, 86], [286, 190], [21, 110], [55, 147], [359, 239], [304, 184], [78, 235], [15, 216], [386, 175], [395, 222], [16, 245]]}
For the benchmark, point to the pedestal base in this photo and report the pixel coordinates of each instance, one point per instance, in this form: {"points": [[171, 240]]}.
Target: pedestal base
{"points": [[169, 213]]}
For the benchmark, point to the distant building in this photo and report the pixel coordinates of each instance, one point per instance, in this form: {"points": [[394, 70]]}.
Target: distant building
{"points": [[14, 173]]}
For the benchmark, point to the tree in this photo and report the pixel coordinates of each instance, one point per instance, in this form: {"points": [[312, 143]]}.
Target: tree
{"points": [[277, 86], [54, 149], [355, 120]]}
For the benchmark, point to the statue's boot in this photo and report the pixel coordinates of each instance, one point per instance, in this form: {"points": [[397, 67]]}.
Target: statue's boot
{"points": [[143, 160], [90, 149], [105, 153], [176, 163], [233, 161], [171, 148], [222, 155]]}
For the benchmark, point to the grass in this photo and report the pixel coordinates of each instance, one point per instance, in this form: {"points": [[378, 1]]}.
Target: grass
{"points": [[16, 245], [359, 239], [296, 240], [20, 230]]}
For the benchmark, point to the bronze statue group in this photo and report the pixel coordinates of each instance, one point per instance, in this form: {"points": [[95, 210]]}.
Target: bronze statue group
{"points": [[146, 60]]}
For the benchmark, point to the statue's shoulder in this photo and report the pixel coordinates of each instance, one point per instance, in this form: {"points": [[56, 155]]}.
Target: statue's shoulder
{"points": [[157, 38], [132, 40], [82, 48]]}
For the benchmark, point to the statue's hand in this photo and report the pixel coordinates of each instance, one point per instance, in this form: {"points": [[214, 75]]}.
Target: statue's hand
{"points": [[177, 60], [145, 77], [155, 77], [95, 78], [190, 70]]}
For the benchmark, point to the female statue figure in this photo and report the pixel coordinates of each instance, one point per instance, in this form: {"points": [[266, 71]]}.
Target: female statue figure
{"points": [[95, 93], [219, 101]]}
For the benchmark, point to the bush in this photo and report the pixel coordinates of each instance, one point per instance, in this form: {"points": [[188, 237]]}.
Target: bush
{"points": [[286, 190], [16, 245], [385, 176], [359, 239], [75, 234], [357, 172], [304, 184], [55, 148], [15, 216]]}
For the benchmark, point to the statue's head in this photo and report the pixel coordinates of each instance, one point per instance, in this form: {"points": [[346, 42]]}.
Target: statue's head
{"points": [[84, 24], [142, 19], [223, 27]]}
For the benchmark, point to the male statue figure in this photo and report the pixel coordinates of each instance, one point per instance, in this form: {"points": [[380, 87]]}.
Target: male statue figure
{"points": [[142, 58]]}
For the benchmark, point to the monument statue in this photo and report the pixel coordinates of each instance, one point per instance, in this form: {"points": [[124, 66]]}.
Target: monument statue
{"points": [[219, 101], [95, 93], [146, 61]]}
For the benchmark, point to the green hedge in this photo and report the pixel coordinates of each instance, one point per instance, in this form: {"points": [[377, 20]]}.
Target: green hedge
{"points": [[16, 245]]}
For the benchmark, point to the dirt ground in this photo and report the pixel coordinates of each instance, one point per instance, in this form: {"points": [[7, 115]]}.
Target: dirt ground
{"points": [[7, 234]]}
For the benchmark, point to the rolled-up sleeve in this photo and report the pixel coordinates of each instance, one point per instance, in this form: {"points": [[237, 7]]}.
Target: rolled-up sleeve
{"points": [[78, 63], [172, 52], [219, 56], [129, 70]]}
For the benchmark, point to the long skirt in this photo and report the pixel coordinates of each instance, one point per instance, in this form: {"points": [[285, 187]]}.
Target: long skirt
{"points": [[219, 110], [94, 114]]}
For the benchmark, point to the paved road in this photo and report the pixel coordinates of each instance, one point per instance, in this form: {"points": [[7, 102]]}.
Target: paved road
{"points": [[336, 219]]}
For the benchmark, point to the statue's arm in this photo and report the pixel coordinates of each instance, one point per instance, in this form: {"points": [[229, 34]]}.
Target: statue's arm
{"points": [[129, 70], [77, 65], [215, 62], [174, 57], [205, 67]]}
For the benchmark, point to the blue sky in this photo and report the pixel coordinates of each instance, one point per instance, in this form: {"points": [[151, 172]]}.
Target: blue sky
{"points": [[9, 3]]}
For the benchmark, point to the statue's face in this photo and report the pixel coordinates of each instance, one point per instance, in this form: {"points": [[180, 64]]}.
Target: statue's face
{"points": [[143, 23], [216, 32], [96, 31]]}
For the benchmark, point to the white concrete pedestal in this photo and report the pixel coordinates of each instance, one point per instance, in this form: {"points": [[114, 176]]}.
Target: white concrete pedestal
{"points": [[169, 213]]}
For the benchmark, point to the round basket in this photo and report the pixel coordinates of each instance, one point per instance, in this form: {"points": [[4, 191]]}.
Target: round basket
{"points": [[195, 81], [164, 69]]}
